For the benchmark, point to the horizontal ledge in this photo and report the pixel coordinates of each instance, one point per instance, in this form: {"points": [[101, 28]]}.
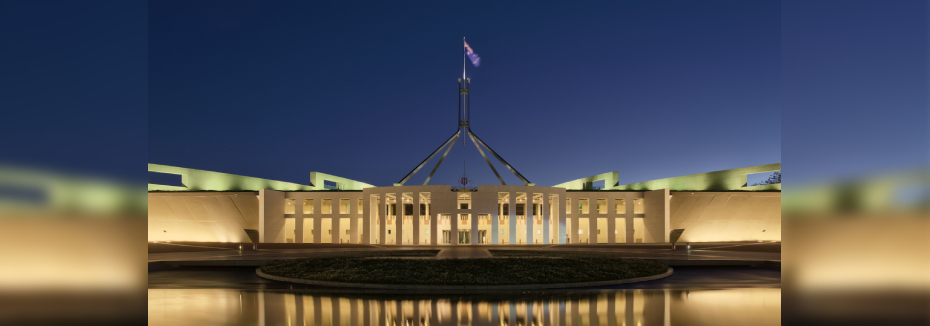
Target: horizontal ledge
{"points": [[462, 288]]}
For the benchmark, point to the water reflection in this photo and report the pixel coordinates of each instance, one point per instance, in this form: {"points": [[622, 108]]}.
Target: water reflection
{"points": [[605, 308]]}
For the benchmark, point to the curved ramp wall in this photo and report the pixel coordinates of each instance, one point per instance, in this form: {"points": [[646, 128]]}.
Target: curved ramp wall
{"points": [[202, 216], [726, 216]]}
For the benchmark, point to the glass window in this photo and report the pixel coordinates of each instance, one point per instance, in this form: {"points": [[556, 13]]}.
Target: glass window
{"points": [[289, 205], [308, 206], [620, 206], [361, 203], [638, 206], [424, 203], [583, 207], [464, 200], [602, 206], [327, 206], [344, 206], [521, 204]]}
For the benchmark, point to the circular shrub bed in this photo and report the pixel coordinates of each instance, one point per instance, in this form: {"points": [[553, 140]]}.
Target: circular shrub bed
{"points": [[481, 271]]}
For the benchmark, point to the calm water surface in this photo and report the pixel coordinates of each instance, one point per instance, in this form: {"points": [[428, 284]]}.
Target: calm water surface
{"points": [[223, 298]]}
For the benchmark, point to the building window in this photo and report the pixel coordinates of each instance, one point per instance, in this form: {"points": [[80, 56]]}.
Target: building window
{"points": [[583, 207], [424, 204], [568, 205], [361, 206], [327, 206], [620, 206], [289, 205], [391, 204], [602, 206], [308, 206], [638, 206], [464, 200], [389, 231], [344, 206]]}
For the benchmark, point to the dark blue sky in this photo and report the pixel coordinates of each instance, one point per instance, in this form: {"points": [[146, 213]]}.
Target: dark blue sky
{"points": [[666, 89], [276, 90]]}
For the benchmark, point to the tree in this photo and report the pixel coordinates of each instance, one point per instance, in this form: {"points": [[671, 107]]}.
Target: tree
{"points": [[773, 179]]}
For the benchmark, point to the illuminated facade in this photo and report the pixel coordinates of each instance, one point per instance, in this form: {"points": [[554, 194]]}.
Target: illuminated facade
{"points": [[337, 210]]}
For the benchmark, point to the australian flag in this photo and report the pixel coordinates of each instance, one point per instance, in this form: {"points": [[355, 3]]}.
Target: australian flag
{"points": [[475, 60]]}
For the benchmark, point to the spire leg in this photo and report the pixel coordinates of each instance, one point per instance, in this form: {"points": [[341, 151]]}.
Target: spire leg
{"points": [[442, 158], [501, 159], [472, 136]]}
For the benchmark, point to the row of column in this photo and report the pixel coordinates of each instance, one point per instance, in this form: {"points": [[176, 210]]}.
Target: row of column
{"points": [[611, 226], [611, 220], [653, 310], [318, 228], [454, 223]]}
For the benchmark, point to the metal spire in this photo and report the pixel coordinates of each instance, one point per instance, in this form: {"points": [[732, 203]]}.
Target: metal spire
{"points": [[464, 128]]}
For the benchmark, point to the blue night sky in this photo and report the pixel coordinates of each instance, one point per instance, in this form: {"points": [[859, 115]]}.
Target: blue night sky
{"points": [[652, 89], [276, 90]]}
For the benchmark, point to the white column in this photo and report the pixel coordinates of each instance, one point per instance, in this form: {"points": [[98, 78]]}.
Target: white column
{"points": [[399, 218], [433, 222], [382, 213], [416, 218], [318, 223], [474, 218], [629, 219], [611, 218], [529, 216], [336, 221], [545, 213], [454, 225], [495, 221], [512, 203], [366, 218], [298, 220]]}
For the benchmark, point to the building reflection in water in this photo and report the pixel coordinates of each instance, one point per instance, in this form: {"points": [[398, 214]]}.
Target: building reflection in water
{"points": [[603, 308]]}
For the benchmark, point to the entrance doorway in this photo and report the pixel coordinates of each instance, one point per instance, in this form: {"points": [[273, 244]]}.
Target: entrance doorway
{"points": [[638, 229], [584, 229], [446, 237], [483, 237], [465, 236]]}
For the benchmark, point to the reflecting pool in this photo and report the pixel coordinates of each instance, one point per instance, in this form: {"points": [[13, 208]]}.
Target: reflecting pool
{"points": [[614, 307]]}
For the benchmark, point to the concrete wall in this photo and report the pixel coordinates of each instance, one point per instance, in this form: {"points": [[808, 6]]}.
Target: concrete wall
{"points": [[318, 178], [726, 216], [271, 216], [724, 180], [610, 180], [202, 216], [201, 180], [656, 218]]}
